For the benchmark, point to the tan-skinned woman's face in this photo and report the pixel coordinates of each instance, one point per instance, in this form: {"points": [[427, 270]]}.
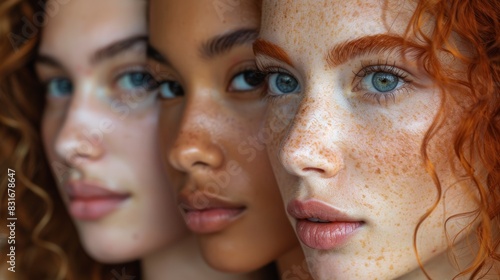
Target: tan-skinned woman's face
{"points": [[210, 124], [100, 129]]}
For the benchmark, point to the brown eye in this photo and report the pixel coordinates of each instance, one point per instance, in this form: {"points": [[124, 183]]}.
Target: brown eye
{"points": [[247, 80], [170, 89]]}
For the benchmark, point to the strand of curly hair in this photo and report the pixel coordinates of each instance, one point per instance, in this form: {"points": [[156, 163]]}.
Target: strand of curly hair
{"points": [[47, 245], [477, 137]]}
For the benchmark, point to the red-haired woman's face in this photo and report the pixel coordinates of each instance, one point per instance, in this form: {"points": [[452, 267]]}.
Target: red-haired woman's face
{"points": [[100, 129], [348, 114], [210, 129]]}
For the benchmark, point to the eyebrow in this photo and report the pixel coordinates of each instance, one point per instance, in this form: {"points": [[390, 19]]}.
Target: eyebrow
{"points": [[263, 47], [104, 53], [47, 60], [223, 43], [117, 47], [345, 51], [154, 54]]}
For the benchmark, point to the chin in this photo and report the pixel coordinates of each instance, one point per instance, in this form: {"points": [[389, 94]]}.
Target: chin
{"points": [[234, 260], [234, 266], [110, 256], [110, 248]]}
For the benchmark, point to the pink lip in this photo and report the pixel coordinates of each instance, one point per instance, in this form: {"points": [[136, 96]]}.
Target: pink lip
{"points": [[92, 202], [335, 231], [211, 215]]}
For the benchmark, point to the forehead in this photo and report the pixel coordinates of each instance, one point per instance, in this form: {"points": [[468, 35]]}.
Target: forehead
{"points": [[320, 24], [82, 26], [198, 20]]}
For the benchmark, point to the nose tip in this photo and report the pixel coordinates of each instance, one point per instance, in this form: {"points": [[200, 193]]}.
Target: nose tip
{"points": [[304, 161], [74, 147], [78, 140], [195, 152]]}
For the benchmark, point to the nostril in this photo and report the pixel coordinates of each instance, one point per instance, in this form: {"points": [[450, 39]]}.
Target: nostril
{"points": [[199, 163], [317, 170]]}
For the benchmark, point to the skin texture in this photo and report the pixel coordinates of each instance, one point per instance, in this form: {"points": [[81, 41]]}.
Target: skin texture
{"points": [[211, 134], [335, 140], [104, 131]]}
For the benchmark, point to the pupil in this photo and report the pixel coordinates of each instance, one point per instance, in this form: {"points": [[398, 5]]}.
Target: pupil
{"points": [[384, 81], [138, 79], [286, 84], [176, 89], [253, 78], [65, 86]]}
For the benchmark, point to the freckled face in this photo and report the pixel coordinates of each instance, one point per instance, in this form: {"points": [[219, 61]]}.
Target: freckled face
{"points": [[211, 134], [347, 132], [100, 129]]}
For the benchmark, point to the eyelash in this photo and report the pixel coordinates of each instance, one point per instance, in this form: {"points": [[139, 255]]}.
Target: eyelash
{"points": [[386, 68], [131, 69], [267, 71], [245, 68], [366, 69]]}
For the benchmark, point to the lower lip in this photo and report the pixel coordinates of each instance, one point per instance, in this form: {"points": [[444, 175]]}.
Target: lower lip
{"points": [[325, 236], [94, 208], [211, 220]]}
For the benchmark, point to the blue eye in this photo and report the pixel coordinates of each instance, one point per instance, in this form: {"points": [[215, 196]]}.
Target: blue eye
{"points": [[170, 89], [59, 87], [137, 81], [282, 83], [246, 81], [382, 81]]}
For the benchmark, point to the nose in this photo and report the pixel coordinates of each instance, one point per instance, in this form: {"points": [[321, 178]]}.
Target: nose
{"points": [[195, 146], [79, 138], [309, 148]]}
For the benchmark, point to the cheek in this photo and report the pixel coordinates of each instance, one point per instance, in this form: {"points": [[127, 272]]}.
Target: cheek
{"points": [[49, 127], [277, 123], [384, 156], [279, 117], [167, 127]]}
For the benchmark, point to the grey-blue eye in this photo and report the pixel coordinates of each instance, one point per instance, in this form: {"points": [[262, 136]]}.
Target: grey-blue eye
{"points": [[282, 83], [246, 81], [136, 81], [384, 82], [59, 87], [170, 89], [381, 82]]}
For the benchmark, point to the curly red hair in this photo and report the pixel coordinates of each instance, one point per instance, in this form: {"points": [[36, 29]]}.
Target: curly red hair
{"points": [[477, 136]]}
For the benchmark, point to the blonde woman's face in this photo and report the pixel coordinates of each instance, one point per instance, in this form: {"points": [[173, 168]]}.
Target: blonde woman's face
{"points": [[100, 129], [347, 118]]}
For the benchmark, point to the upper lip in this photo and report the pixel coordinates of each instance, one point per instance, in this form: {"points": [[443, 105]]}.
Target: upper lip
{"points": [[313, 208], [199, 200], [82, 189]]}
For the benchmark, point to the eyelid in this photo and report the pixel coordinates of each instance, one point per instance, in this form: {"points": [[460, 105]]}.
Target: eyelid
{"points": [[264, 64], [247, 65], [369, 68], [46, 73], [164, 75], [46, 80], [119, 73], [240, 70]]}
